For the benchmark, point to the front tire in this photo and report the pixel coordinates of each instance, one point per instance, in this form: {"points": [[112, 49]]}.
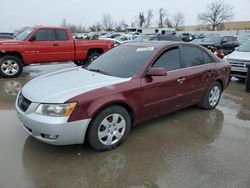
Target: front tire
{"points": [[212, 96], [10, 66], [109, 128]]}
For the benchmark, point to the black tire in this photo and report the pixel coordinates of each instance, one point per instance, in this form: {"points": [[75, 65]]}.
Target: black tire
{"points": [[92, 56], [97, 127], [206, 104], [12, 70]]}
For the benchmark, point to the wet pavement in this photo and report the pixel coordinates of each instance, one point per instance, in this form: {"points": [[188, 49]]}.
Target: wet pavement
{"points": [[191, 148]]}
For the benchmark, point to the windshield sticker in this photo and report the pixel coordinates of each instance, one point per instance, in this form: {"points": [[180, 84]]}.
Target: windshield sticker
{"points": [[145, 49]]}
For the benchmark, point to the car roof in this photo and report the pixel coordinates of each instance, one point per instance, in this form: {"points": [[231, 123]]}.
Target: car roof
{"points": [[155, 44], [49, 27]]}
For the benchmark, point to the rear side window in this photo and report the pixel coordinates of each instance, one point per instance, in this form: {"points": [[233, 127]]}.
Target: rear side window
{"points": [[191, 56], [45, 35], [61, 34], [170, 60]]}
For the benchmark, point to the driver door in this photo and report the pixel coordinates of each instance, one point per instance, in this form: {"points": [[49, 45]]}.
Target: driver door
{"points": [[164, 94]]}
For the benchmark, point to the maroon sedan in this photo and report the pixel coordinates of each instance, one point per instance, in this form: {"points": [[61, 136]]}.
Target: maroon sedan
{"points": [[128, 85]]}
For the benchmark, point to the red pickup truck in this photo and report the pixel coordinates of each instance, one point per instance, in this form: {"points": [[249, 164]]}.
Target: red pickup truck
{"points": [[47, 44]]}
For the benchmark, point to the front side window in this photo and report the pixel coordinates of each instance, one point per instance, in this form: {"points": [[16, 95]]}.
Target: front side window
{"points": [[45, 35], [191, 56], [170, 60]]}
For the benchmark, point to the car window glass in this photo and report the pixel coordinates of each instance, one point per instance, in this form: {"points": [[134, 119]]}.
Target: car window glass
{"points": [[123, 61], [61, 34], [207, 58], [45, 35], [154, 39], [169, 60], [191, 56]]}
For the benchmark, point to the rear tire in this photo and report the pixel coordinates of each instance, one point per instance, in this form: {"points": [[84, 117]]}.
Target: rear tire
{"points": [[109, 128], [212, 96], [10, 66]]}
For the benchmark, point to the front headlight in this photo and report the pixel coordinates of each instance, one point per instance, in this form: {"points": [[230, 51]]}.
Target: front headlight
{"points": [[56, 110], [226, 58]]}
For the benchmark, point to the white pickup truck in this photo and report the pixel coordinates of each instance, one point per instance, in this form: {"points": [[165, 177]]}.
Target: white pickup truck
{"points": [[239, 60]]}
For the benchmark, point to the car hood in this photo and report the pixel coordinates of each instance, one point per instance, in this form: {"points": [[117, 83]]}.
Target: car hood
{"points": [[10, 42], [60, 86], [236, 55]]}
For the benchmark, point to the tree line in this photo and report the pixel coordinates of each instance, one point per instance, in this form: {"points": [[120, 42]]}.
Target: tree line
{"points": [[216, 12], [142, 20]]}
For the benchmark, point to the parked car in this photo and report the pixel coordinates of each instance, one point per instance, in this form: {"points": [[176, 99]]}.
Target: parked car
{"points": [[124, 38], [111, 35], [115, 41], [156, 37], [47, 44], [226, 43], [129, 84], [187, 37], [6, 36], [239, 60]]}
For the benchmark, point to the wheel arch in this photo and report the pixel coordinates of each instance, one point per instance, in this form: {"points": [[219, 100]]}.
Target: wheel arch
{"points": [[12, 53], [220, 81], [118, 103], [92, 50]]}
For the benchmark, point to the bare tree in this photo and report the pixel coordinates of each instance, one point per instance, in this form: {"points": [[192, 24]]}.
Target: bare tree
{"points": [[162, 17], [95, 27], [107, 22], [64, 23], [132, 24], [216, 13], [149, 18], [168, 23], [121, 26], [141, 19], [178, 19]]}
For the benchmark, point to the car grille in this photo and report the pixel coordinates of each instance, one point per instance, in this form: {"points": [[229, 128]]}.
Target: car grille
{"points": [[23, 103], [239, 63]]}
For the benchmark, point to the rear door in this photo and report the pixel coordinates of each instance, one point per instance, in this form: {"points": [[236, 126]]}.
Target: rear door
{"points": [[200, 71], [164, 94]]}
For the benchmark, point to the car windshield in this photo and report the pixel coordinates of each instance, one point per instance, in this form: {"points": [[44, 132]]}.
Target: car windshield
{"points": [[212, 39], [245, 47], [123, 61], [22, 36], [243, 39]]}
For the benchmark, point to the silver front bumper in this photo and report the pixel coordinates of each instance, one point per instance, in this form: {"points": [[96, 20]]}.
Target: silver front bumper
{"points": [[52, 130]]}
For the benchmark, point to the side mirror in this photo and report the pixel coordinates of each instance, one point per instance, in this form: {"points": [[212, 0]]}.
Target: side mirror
{"points": [[157, 72], [32, 38], [236, 48]]}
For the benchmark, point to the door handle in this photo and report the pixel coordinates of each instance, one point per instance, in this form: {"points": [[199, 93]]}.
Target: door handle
{"points": [[55, 44], [181, 80]]}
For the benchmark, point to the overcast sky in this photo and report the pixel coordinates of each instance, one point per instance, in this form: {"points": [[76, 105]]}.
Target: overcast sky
{"points": [[16, 14]]}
